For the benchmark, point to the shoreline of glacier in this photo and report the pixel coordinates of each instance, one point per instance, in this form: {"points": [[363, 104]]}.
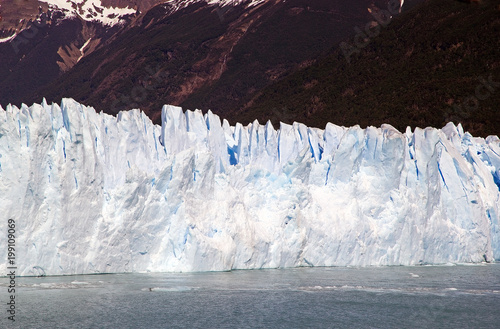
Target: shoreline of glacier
{"points": [[93, 193], [494, 263]]}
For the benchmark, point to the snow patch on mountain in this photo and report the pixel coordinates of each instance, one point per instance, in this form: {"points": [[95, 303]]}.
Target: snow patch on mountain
{"points": [[8, 39], [93, 193], [91, 10]]}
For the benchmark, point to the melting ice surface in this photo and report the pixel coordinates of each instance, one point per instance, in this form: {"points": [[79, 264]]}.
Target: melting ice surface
{"points": [[93, 193]]}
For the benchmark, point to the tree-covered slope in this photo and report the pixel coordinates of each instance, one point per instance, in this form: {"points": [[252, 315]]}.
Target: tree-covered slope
{"points": [[439, 62]]}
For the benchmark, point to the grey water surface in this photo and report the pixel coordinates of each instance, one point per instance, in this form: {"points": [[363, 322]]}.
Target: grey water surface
{"points": [[374, 297]]}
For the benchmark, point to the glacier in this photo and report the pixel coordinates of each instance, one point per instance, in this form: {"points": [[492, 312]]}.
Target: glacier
{"points": [[94, 193]]}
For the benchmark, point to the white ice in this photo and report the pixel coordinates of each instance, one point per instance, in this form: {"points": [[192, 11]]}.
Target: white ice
{"points": [[93, 193], [91, 10]]}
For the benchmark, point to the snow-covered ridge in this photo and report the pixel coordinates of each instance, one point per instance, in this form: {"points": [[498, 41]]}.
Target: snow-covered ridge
{"points": [[91, 10], [94, 10], [95, 193]]}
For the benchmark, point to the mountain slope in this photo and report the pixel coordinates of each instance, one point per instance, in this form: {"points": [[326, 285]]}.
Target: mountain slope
{"points": [[429, 66], [40, 40], [43, 50], [204, 55]]}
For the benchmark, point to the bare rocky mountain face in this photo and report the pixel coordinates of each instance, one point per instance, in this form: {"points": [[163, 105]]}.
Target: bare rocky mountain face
{"points": [[24, 19], [214, 55]]}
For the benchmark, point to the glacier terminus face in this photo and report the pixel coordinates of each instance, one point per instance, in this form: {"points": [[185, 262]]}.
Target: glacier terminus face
{"points": [[93, 193]]}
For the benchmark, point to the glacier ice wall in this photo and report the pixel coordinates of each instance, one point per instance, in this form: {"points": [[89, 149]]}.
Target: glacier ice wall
{"points": [[93, 193]]}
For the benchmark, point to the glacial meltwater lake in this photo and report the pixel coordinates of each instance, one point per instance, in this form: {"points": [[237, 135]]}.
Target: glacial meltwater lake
{"points": [[375, 297]]}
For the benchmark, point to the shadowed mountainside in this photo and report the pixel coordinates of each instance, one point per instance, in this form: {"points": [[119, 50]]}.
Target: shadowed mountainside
{"points": [[429, 66], [311, 61], [203, 56]]}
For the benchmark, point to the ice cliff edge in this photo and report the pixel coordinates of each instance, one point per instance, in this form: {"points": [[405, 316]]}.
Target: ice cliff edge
{"points": [[93, 193]]}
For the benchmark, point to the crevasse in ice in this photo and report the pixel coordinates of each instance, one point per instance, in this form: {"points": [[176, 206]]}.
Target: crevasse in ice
{"points": [[93, 193]]}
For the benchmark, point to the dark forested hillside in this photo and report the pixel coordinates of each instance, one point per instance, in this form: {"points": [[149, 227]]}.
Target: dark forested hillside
{"points": [[314, 61], [203, 56], [437, 63]]}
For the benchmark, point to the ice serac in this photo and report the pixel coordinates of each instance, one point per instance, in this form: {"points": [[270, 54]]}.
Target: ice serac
{"points": [[93, 193]]}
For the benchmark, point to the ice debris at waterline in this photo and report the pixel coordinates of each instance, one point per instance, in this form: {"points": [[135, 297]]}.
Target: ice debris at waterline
{"points": [[95, 193]]}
